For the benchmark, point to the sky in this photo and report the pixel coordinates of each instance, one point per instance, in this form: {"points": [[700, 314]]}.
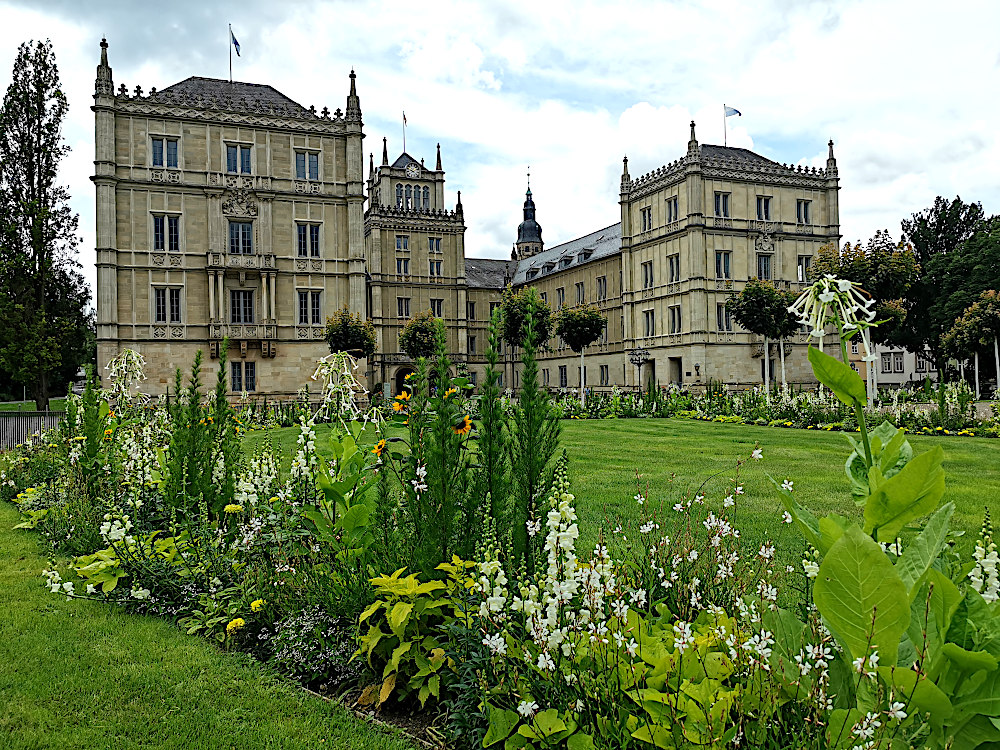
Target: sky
{"points": [[905, 88]]}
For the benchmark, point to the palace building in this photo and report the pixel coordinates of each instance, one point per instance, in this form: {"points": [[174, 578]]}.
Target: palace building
{"points": [[228, 212]]}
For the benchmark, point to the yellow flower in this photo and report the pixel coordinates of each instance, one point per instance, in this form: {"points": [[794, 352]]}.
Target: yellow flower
{"points": [[379, 447], [233, 508], [462, 426], [404, 396], [257, 605], [235, 625], [409, 375], [450, 391], [108, 431], [396, 406]]}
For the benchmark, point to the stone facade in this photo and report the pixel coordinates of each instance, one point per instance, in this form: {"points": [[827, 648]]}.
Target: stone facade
{"points": [[228, 211]]}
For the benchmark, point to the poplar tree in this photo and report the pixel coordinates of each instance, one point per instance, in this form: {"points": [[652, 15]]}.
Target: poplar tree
{"points": [[43, 297]]}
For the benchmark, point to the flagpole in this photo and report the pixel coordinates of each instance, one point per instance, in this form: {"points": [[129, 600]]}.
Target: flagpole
{"points": [[725, 131], [230, 45], [404, 132]]}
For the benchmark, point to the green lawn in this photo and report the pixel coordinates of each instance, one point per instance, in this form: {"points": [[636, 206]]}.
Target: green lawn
{"points": [[606, 455], [55, 404], [80, 674]]}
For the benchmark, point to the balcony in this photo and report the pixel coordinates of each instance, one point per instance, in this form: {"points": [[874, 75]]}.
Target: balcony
{"points": [[243, 331], [241, 262]]}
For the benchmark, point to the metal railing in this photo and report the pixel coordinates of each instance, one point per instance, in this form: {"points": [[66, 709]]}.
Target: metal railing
{"points": [[17, 427]]}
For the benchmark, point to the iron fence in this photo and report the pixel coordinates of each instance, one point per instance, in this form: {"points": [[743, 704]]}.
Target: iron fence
{"points": [[17, 427]]}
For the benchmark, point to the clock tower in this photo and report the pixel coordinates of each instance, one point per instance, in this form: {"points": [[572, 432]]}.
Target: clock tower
{"points": [[415, 257]]}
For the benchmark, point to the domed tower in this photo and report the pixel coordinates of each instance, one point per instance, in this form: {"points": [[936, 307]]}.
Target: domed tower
{"points": [[529, 232]]}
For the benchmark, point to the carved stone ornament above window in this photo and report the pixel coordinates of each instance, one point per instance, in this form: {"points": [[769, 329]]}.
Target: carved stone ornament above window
{"points": [[239, 202], [764, 243]]}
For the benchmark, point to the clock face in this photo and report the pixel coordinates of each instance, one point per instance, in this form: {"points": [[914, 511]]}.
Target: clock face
{"points": [[413, 170]]}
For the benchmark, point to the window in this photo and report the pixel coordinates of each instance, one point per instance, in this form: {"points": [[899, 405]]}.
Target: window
{"points": [[802, 267], [672, 210], [723, 263], [433, 244], [243, 376], [763, 208], [580, 293], [854, 347], [763, 266], [402, 242], [802, 212], [887, 362], [427, 199], [560, 297], [897, 361], [473, 378], [240, 237], [309, 308], [605, 375], [648, 323], [722, 204], [647, 275], [602, 288], [921, 363], [399, 196], [434, 267], [724, 318], [674, 313], [470, 310], [646, 217], [674, 267], [308, 236], [472, 344], [545, 297], [409, 197], [437, 307], [241, 305], [563, 381], [402, 307], [604, 333], [403, 266], [159, 305], [306, 165], [238, 159], [175, 305], [165, 152], [167, 233], [495, 305]]}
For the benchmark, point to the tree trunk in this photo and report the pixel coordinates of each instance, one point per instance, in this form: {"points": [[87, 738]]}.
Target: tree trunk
{"points": [[767, 362], [996, 361], [977, 376], [781, 349], [583, 401]]}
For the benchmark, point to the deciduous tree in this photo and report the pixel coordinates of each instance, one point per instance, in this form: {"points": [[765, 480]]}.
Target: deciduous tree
{"points": [[762, 309], [419, 336], [580, 327], [347, 332]]}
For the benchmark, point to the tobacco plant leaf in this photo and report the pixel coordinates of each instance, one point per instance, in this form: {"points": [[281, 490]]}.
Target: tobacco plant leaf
{"points": [[846, 384], [922, 551], [861, 597], [914, 492]]}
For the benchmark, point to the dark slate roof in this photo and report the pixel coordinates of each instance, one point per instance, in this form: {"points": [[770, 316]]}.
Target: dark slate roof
{"points": [[709, 151], [404, 161], [221, 94], [487, 273], [600, 244]]}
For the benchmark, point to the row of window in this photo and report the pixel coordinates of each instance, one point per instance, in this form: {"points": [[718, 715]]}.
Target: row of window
{"points": [[403, 243], [434, 267], [437, 308], [564, 379], [803, 210], [409, 197], [166, 236], [238, 159], [723, 267], [167, 306]]}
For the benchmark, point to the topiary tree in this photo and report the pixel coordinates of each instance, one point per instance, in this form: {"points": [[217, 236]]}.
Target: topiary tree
{"points": [[580, 327], [762, 309], [515, 307], [419, 336], [348, 332]]}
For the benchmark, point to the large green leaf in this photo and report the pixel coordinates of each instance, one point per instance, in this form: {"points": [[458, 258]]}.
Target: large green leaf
{"points": [[502, 723], [398, 617], [923, 550], [974, 626], [846, 384], [861, 597], [913, 492]]}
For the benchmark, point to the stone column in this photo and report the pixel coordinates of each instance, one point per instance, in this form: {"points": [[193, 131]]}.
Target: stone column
{"points": [[211, 296], [274, 317]]}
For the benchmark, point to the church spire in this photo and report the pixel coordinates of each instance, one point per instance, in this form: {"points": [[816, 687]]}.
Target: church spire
{"points": [[353, 113], [438, 167], [529, 232], [104, 83]]}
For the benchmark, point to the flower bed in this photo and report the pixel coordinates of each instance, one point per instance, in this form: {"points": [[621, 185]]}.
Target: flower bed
{"points": [[436, 570]]}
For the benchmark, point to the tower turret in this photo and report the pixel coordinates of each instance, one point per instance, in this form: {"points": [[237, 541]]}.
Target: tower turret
{"points": [[529, 232]]}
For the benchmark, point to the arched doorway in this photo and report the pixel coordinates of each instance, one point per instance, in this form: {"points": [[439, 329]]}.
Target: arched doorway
{"points": [[400, 378]]}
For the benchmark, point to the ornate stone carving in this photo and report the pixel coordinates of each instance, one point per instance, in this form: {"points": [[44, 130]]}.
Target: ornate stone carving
{"points": [[176, 332], [165, 175], [239, 202], [159, 332], [158, 258], [300, 264], [310, 188], [764, 243]]}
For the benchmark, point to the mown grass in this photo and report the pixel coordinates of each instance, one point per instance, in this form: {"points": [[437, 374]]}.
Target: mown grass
{"points": [[672, 459], [55, 404], [81, 674]]}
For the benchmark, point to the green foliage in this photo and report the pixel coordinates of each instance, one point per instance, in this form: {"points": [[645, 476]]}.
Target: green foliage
{"points": [[762, 309], [516, 309], [419, 336], [493, 476], [349, 332], [579, 326]]}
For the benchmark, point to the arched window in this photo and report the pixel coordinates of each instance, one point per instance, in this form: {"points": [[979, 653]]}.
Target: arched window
{"points": [[427, 199], [409, 197], [399, 196]]}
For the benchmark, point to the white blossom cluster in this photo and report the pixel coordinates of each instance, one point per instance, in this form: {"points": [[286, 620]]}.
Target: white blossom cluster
{"points": [[984, 577]]}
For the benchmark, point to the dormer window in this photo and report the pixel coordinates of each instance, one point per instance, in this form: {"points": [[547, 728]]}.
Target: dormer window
{"points": [[532, 273], [565, 262]]}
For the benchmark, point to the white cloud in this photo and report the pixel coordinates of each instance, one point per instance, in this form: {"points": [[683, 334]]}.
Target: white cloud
{"points": [[570, 88]]}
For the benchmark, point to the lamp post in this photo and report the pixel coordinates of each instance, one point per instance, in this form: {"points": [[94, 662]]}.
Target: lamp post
{"points": [[637, 357]]}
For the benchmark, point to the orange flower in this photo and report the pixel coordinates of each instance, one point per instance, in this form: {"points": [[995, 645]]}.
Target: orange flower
{"points": [[379, 447], [462, 426]]}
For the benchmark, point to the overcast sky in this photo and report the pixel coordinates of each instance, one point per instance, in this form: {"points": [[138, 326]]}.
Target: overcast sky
{"points": [[906, 89]]}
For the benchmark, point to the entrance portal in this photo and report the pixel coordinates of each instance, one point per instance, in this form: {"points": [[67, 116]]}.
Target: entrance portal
{"points": [[401, 374]]}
